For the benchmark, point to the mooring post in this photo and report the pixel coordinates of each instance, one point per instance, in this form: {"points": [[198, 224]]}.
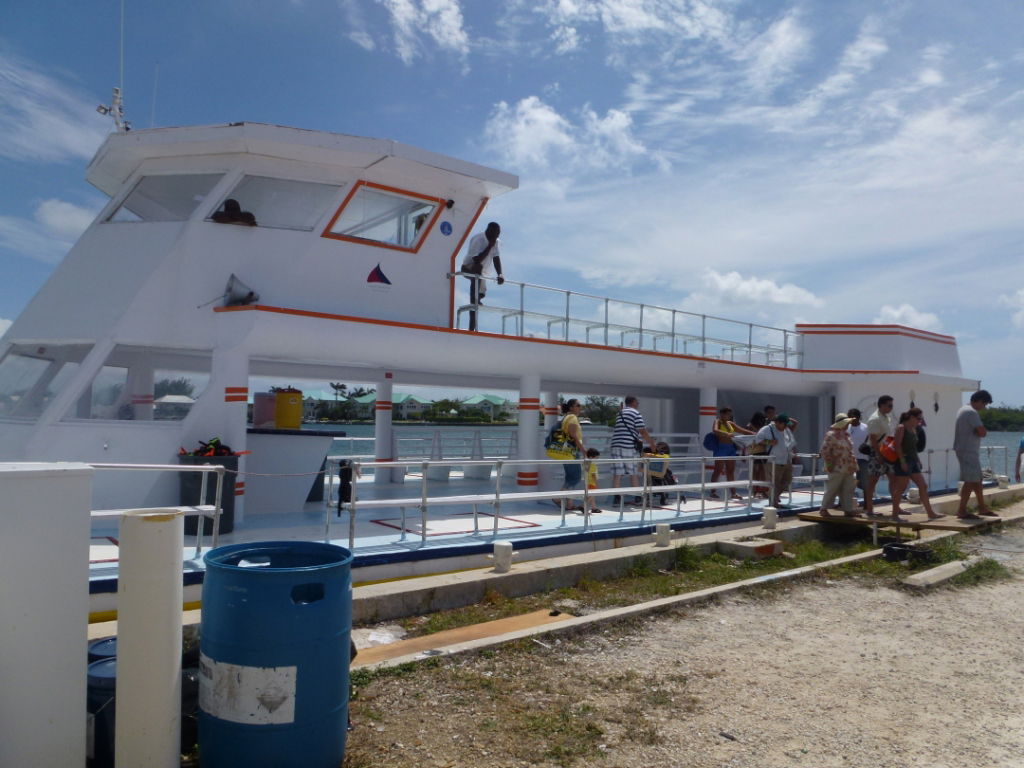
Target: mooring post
{"points": [[502, 556], [662, 535]]}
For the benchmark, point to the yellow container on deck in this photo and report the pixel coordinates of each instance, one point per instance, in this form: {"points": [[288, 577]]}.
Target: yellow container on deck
{"points": [[288, 410]]}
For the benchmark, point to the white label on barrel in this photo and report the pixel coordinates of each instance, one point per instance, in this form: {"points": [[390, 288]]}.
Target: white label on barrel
{"points": [[249, 695]]}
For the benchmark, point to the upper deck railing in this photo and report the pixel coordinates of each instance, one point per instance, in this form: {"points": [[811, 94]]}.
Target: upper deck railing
{"points": [[538, 311]]}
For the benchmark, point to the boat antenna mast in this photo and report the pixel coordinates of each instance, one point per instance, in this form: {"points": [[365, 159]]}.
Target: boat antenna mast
{"points": [[116, 107]]}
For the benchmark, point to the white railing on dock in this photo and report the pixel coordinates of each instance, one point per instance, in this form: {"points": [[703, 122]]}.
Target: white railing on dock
{"points": [[213, 511], [527, 309], [504, 492]]}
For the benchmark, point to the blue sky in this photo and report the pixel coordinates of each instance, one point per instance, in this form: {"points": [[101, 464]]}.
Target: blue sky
{"points": [[770, 161]]}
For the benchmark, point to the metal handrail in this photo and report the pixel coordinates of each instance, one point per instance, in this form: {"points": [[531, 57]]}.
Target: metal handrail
{"points": [[204, 470], [495, 500], [786, 349]]}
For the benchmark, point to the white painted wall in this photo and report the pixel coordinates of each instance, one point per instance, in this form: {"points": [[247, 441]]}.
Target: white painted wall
{"points": [[44, 602]]}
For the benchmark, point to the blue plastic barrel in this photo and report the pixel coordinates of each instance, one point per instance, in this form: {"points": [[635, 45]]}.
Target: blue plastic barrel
{"points": [[99, 704], [104, 648], [274, 655]]}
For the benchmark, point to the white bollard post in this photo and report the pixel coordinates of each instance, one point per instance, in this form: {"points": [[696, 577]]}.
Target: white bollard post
{"points": [[149, 619], [502, 556], [770, 518], [1003, 481], [914, 496], [662, 535]]}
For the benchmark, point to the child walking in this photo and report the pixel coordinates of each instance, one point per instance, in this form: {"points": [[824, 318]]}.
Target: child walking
{"points": [[592, 453]]}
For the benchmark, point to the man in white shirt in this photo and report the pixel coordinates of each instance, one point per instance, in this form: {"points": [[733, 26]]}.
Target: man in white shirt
{"points": [[482, 255], [858, 432], [880, 426]]}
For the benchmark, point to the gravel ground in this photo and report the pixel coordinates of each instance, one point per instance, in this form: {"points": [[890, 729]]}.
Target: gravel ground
{"points": [[818, 674]]}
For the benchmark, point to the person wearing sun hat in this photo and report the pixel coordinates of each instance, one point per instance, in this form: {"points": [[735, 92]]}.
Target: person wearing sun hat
{"points": [[841, 464]]}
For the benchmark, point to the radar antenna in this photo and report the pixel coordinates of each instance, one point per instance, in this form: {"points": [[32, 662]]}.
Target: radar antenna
{"points": [[116, 108]]}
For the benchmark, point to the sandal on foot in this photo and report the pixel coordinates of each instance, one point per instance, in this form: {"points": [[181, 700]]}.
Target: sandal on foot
{"points": [[936, 516], [824, 513], [989, 513], [971, 516]]}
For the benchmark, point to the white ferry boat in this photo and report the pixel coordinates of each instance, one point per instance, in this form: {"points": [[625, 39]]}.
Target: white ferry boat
{"points": [[232, 252]]}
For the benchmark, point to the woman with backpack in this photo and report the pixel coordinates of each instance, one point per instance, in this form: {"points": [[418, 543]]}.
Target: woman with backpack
{"points": [[566, 442]]}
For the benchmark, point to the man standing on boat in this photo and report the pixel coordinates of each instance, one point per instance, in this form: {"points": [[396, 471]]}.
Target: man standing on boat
{"points": [[967, 435], [626, 444], [483, 255]]}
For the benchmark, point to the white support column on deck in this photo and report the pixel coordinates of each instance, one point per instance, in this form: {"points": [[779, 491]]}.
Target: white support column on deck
{"points": [[44, 602], [708, 410], [550, 409], [662, 417], [140, 389], [229, 384], [529, 444], [846, 399], [384, 442]]}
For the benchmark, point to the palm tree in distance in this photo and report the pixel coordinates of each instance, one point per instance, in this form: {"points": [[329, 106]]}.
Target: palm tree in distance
{"points": [[339, 389]]}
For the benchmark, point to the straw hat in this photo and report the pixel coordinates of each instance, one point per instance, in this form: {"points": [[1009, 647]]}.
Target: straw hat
{"points": [[842, 421]]}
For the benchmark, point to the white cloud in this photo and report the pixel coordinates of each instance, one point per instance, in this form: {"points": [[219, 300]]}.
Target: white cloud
{"points": [[358, 31], [56, 224], [63, 219], [533, 135], [4, 325], [1015, 301], [774, 53], [43, 119], [566, 39], [906, 314], [529, 133], [438, 20], [734, 287]]}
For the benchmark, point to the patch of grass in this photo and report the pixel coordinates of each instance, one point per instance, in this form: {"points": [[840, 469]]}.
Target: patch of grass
{"points": [[640, 567], [690, 570], [947, 549], [362, 677], [981, 572], [568, 732]]}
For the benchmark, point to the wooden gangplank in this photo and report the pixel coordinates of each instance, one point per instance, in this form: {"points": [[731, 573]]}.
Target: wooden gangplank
{"points": [[915, 521], [439, 640]]}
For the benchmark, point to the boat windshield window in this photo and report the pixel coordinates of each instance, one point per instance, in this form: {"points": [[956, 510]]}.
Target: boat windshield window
{"points": [[144, 384], [281, 203], [32, 376], [166, 198], [384, 216]]}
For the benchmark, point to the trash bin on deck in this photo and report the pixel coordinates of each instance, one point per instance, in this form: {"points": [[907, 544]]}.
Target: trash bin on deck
{"points": [[191, 482], [274, 643]]}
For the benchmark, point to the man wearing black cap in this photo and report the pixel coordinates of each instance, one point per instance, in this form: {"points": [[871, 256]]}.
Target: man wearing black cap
{"points": [[781, 447]]}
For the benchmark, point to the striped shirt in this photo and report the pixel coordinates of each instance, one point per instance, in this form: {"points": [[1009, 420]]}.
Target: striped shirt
{"points": [[627, 428]]}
